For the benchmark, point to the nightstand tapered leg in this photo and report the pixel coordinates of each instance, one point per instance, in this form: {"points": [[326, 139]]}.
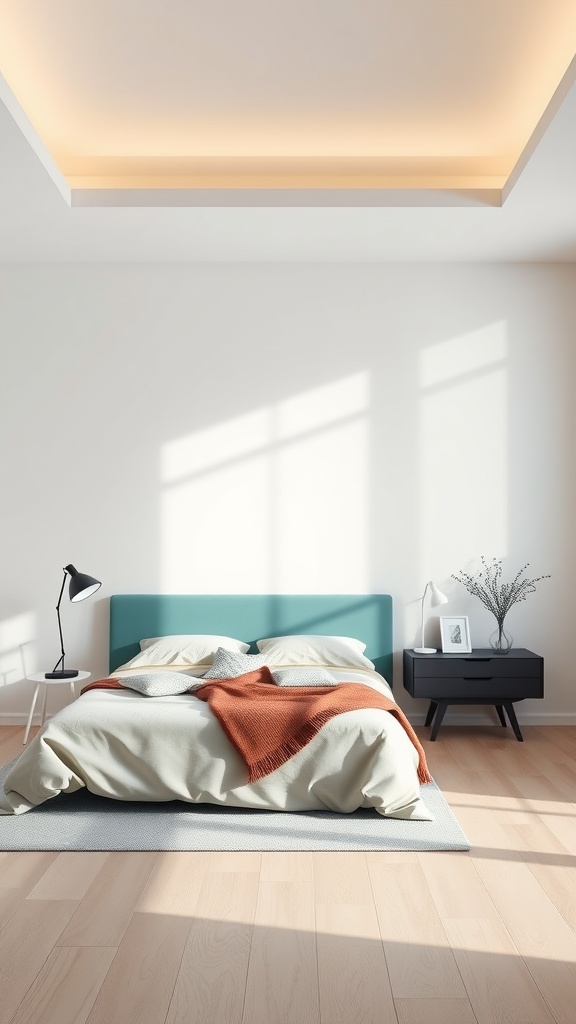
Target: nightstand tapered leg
{"points": [[442, 705], [500, 711], [431, 710], [514, 722]]}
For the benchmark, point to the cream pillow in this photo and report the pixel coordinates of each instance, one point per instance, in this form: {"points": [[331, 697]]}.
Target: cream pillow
{"points": [[334, 651], [183, 651]]}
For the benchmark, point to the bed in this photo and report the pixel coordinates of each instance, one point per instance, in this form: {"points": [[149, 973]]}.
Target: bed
{"points": [[121, 743]]}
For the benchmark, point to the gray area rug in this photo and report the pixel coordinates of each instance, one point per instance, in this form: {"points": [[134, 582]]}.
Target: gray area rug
{"points": [[82, 821]]}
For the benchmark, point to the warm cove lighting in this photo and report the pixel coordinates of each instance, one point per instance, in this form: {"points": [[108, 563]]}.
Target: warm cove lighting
{"points": [[255, 504], [322, 97]]}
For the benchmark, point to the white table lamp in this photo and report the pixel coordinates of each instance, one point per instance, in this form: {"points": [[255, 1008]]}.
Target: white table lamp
{"points": [[436, 598]]}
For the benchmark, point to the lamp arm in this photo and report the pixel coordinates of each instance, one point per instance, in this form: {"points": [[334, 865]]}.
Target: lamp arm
{"points": [[61, 659]]}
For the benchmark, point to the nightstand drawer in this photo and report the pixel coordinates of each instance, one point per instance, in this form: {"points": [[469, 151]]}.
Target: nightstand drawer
{"points": [[485, 687], [498, 667]]}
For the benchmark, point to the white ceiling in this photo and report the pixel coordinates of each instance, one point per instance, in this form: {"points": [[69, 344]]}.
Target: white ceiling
{"points": [[536, 222]]}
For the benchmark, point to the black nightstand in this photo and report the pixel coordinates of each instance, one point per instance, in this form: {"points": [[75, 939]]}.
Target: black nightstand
{"points": [[481, 677]]}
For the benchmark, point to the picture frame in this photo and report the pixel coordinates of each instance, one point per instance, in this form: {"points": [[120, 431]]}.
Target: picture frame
{"points": [[455, 633]]}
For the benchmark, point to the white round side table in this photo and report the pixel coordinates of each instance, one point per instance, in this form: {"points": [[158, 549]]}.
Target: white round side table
{"points": [[40, 679]]}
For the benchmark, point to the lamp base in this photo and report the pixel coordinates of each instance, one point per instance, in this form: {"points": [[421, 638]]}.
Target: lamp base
{"points": [[424, 650], [62, 673]]}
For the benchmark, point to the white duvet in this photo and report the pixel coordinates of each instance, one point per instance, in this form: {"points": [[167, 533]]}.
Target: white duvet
{"points": [[122, 745]]}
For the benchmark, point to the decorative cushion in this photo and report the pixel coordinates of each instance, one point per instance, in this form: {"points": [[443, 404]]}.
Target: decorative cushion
{"points": [[331, 651], [303, 677], [160, 684], [230, 664]]}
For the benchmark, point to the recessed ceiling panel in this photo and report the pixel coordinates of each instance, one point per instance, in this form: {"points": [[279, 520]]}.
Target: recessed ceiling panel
{"points": [[252, 94]]}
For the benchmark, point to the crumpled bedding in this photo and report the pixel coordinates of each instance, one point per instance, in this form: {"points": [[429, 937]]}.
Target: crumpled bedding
{"points": [[122, 745]]}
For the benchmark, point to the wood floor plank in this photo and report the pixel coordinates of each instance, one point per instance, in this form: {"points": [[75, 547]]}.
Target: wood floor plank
{"points": [[550, 863], [26, 941], [541, 742], [467, 748], [174, 883], [282, 983], [24, 869], [11, 743], [562, 738], [563, 777], [10, 899], [68, 877], [104, 914], [435, 1011], [211, 981], [242, 860], [498, 982], [455, 885], [420, 961], [66, 988], [139, 985], [341, 878], [541, 797], [537, 928], [287, 866], [352, 972]]}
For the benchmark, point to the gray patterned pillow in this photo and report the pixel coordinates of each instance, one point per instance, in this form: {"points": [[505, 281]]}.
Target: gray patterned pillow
{"points": [[303, 677], [160, 684], [230, 664]]}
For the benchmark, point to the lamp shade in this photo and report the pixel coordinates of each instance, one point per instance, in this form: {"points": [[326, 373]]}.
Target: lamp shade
{"points": [[81, 585], [436, 595]]}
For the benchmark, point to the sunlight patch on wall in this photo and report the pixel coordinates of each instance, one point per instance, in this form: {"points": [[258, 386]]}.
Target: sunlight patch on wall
{"points": [[273, 500], [463, 457], [16, 647]]}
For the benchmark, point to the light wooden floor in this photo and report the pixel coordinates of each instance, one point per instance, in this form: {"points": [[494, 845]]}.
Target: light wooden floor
{"points": [[317, 938]]}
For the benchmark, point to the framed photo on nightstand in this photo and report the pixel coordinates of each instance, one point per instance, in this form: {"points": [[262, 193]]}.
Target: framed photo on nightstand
{"points": [[455, 632]]}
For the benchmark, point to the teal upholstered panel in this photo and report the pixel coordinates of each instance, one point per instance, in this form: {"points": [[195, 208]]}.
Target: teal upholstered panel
{"points": [[250, 617]]}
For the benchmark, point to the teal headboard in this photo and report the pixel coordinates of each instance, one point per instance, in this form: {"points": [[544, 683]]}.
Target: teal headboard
{"points": [[250, 617]]}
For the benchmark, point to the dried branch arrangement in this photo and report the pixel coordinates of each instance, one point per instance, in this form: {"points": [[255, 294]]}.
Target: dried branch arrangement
{"points": [[496, 595]]}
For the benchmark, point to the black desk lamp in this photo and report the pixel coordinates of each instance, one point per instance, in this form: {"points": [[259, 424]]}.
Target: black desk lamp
{"points": [[81, 586]]}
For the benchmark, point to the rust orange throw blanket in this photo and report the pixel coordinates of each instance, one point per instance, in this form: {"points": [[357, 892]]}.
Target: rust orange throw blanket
{"points": [[269, 724]]}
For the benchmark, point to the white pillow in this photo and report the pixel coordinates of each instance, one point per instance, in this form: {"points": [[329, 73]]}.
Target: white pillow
{"points": [[231, 664], [161, 684], [335, 651], [304, 677], [182, 651]]}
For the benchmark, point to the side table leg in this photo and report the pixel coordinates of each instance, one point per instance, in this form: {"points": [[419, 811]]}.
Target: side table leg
{"points": [[514, 721], [44, 695], [500, 711], [29, 722], [442, 705]]}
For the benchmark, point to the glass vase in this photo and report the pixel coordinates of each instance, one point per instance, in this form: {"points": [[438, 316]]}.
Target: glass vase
{"points": [[500, 640]]}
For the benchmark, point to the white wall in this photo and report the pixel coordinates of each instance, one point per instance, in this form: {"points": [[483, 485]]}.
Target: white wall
{"points": [[289, 428]]}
